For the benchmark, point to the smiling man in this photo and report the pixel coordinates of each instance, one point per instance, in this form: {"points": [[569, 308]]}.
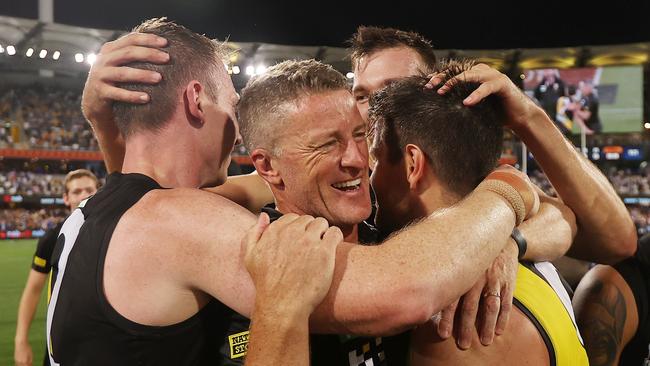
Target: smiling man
{"points": [[312, 147]]}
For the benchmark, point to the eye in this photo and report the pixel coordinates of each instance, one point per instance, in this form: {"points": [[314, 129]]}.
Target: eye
{"points": [[328, 144], [361, 98]]}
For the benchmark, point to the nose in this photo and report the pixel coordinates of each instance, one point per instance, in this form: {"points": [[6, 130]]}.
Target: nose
{"points": [[354, 155]]}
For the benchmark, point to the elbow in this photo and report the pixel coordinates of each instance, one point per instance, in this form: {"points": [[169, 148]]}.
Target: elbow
{"points": [[624, 246], [404, 315], [417, 306], [627, 240], [629, 243], [406, 308]]}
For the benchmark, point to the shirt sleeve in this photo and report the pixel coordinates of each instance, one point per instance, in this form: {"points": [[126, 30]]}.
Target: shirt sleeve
{"points": [[44, 248]]}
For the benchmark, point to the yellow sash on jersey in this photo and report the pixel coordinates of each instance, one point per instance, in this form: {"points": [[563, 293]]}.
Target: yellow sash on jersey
{"points": [[541, 300]]}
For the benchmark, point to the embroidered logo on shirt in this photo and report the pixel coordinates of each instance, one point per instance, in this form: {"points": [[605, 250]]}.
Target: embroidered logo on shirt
{"points": [[238, 344]]}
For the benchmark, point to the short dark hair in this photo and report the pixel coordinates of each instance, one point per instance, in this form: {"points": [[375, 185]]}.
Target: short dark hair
{"points": [[260, 109], [462, 144], [191, 56], [368, 40]]}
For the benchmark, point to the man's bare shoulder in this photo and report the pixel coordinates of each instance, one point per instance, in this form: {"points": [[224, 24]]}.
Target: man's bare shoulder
{"points": [[189, 214], [189, 202]]}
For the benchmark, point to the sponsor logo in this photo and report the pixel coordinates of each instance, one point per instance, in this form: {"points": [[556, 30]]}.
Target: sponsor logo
{"points": [[238, 344]]}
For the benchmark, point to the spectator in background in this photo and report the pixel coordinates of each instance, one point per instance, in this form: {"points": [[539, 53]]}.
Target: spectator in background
{"points": [[565, 109], [586, 114], [79, 185], [549, 90]]}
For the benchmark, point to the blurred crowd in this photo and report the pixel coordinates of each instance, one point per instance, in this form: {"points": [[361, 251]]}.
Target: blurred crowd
{"points": [[641, 217], [31, 184], [629, 183], [41, 117], [626, 182], [22, 219]]}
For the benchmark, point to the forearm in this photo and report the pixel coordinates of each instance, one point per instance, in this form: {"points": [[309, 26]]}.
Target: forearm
{"points": [[111, 144], [26, 311], [394, 286], [606, 233], [249, 191], [549, 233], [278, 338]]}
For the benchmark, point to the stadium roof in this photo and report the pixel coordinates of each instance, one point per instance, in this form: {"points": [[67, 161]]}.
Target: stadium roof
{"points": [[449, 24], [76, 45]]}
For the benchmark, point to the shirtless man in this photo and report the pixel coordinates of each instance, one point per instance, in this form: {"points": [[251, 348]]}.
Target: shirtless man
{"points": [[606, 234], [430, 150]]}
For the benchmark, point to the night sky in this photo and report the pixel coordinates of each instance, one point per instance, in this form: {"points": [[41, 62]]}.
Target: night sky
{"points": [[449, 24]]}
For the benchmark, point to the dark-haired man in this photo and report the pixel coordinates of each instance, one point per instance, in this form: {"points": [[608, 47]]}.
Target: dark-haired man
{"points": [[606, 233], [430, 151], [169, 275]]}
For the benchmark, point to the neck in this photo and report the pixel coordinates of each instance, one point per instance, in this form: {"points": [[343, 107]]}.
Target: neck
{"points": [[168, 157], [435, 198]]}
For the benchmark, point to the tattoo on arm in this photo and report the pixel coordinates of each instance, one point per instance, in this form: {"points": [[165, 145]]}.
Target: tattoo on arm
{"points": [[602, 323]]}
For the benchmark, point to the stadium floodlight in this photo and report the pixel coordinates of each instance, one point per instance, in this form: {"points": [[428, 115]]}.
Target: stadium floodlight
{"points": [[90, 59], [2, 50], [11, 50], [79, 57], [56, 55], [349, 75], [261, 68], [30, 52], [250, 70], [236, 70], [647, 125], [42, 54]]}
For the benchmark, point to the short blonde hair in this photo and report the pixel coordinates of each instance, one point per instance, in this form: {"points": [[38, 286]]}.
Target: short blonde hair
{"points": [[79, 173], [262, 107]]}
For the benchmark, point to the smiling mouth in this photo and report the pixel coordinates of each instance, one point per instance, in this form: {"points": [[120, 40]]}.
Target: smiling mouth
{"points": [[350, 185]]}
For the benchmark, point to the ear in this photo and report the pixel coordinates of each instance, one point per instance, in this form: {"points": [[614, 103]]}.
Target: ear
{"points": [[66, 200], [263, 163], [194, 93], [415, 162]]}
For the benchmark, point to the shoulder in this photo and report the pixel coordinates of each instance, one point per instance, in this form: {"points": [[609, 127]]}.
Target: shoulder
{"points": [[601, 279], [187, 203], [604, 289], [185, 215]]}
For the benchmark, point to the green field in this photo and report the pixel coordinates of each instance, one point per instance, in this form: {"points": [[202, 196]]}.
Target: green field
{"points": [[15, 258]]}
